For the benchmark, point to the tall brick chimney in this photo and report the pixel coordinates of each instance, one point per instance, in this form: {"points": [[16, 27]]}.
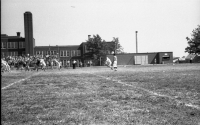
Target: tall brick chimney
{"points": [[28, 32], [18, 34]]}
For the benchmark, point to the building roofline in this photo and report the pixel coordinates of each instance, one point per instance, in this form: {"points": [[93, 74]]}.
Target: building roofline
{"points": [[140, 53], [58, 46]]}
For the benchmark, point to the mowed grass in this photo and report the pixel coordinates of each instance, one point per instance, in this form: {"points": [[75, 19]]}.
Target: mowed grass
{"points": [[100, 96]]}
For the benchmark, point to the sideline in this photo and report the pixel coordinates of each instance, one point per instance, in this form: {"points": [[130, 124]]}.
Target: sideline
{"points": [[5, 87], [151, 92]]}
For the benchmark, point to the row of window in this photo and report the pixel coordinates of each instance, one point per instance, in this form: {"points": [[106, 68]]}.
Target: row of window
{"points": [[63, 53], [15, 53], [65, 62], [72, 53], [12, 45]]}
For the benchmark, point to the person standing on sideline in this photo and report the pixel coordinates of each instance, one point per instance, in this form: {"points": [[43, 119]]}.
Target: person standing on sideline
{"points": [[68, 63], [155, 61], [74, 64], [190, 60], [115, 62], [81, 64]]}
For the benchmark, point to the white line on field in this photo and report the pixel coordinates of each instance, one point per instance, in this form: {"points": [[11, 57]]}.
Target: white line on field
{"points": [[16, 82], [151, 92]]}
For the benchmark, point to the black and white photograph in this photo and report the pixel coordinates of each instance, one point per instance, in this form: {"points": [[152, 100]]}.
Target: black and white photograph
{"points": [[100, 62]]}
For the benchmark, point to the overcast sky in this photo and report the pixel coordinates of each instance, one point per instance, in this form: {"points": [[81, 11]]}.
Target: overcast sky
{"points": [[162, 25]]}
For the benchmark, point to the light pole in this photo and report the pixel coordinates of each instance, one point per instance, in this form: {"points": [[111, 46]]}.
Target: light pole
{"points": [[136, 42]]}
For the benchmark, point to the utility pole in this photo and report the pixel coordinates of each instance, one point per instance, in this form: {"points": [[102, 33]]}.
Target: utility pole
{"points": [[136, 42], [116, 44], [100, 60], [58, 54]]}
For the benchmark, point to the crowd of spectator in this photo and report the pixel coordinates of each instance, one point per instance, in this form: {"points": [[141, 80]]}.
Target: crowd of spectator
{"points": [[17, 61], [24, 60]]}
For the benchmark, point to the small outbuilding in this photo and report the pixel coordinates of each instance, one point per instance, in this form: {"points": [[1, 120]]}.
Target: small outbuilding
{"points": [[192, 58], [143, 58]]}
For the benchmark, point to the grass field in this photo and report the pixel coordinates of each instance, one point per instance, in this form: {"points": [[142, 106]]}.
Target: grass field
{"points": [[133, 95]]}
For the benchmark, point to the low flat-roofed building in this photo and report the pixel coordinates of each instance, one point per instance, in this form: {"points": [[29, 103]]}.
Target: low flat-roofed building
{"points": [[143, 58]]}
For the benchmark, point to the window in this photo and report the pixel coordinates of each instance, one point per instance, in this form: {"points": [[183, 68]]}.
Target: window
{"points": [[55, 53], [51, 53], [13, 53], [16, 45], [78, 52], [71, 53], [61, 53], [74, 52], [21, 45], [37, 52], [165, 58], [3, 45], [86, 49], [48, 52], [65, 53], [16, 53], [9, 45], [68, 53], [63, 62], [12, 45], [8, 54]]}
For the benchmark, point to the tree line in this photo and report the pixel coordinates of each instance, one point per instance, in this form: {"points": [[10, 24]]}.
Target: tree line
{"points": [[97, 48], [194, 42]]}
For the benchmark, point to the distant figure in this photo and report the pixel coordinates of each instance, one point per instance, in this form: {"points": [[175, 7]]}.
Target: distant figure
{"points": [[60, 64], [57, 63], [68, 63], [74, 64], [108, 62], [115, 62], [90, 62], [81, 64], [190, 60], [155, 61]]}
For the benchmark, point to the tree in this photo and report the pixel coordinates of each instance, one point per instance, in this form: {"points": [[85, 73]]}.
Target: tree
{"points": [[95, 47], [115, 46], [118, 47], [194, 42]]}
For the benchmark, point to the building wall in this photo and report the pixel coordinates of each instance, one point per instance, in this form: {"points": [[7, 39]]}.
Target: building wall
{"points": [[162, 60], [12, 41], [123, 59], [63, 53], [129, 59]]}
